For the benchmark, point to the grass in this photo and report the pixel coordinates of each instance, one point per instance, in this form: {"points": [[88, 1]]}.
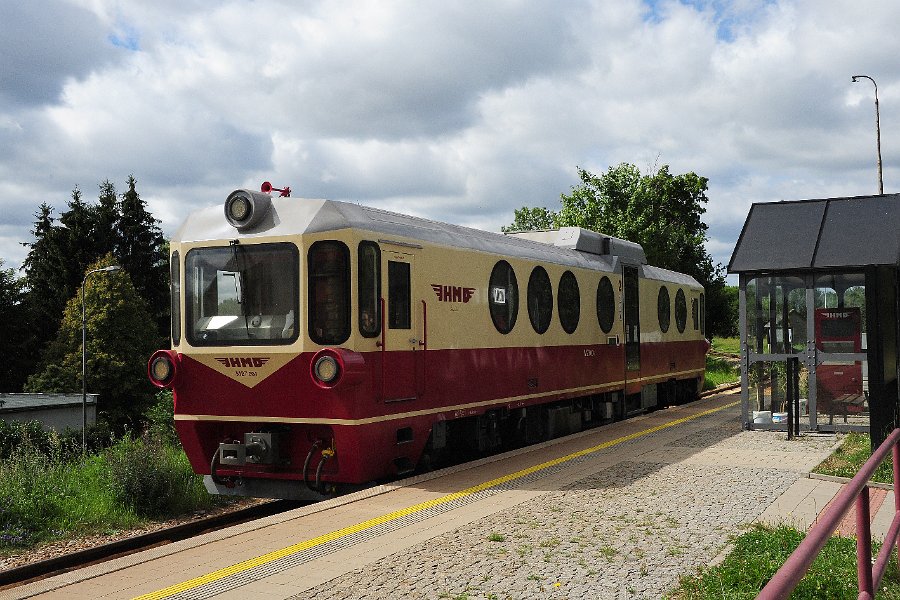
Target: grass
{"points": [[727, 345], [719, 371], [853, 452], [760, 552], [45, 497]]}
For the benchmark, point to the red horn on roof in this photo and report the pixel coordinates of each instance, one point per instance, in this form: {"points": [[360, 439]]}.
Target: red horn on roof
{"points": [[266, 188]]}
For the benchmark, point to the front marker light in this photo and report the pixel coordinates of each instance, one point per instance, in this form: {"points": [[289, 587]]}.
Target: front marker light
{"points": [[161, 369], [326, 369]]}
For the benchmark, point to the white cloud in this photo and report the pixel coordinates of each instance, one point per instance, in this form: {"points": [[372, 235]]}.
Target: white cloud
{"points": [[459, 112]]}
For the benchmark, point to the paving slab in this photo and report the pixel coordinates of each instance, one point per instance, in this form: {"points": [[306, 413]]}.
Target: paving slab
{"points": [[619, 511]]}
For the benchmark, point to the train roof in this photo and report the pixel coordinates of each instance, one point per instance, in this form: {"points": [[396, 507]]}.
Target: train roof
{"points": [[571, 246]]}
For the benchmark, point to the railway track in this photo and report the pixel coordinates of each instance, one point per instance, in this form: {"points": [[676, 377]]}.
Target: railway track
{"points": [[37, 570], [60, 564]]}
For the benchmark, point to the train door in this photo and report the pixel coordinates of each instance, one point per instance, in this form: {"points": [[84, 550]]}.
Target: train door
{"points": [[632, 320], [400, 341]]}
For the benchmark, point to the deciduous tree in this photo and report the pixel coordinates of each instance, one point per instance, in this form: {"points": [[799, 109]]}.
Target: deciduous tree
{"points": [[120, 337], [660, 211]]}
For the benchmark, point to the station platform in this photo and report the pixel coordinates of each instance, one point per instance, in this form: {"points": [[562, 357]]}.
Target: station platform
{"points": [[619, 511]]}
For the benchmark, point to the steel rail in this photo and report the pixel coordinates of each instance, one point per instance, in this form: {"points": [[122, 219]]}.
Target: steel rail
{"points": [[82, 558]]}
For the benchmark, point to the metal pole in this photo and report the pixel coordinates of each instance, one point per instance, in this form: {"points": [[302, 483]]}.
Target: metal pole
{"points": [[83, 371], [877, 129]]}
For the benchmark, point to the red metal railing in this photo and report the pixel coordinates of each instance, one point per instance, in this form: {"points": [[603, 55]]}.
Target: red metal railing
{"points": [[857, 490]]}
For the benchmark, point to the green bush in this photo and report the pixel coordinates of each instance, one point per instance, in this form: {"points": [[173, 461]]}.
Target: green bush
{"points": [[160, 419], [15, 436], [23, 507], [153, 479]]}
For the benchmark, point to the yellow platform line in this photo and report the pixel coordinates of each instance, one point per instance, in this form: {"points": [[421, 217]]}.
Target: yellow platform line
{"points": [[403, 512]]}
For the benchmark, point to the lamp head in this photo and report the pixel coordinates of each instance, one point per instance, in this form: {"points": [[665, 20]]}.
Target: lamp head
{"points": [[111, 268], [853, 79]]}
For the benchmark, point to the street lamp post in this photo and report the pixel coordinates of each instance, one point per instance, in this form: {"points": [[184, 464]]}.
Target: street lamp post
{"points": [[853, 79], [84, 355]]}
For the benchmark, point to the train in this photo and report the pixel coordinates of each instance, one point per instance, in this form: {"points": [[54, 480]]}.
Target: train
{"points": [[319, 346]]}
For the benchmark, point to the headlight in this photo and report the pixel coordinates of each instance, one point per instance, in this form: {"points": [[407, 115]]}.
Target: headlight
{"points": [[239, 208], [245, 209], [326, 369]]}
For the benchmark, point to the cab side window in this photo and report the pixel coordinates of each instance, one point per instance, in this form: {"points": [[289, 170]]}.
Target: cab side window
{"points": [[369, 288], [329, 292]]}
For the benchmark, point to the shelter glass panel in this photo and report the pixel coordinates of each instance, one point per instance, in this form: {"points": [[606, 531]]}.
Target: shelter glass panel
{"points": [[776, 315], [842, 379], [771, 385]]}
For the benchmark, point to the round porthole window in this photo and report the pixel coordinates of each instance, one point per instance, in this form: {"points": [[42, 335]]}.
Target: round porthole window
{"points": [[569, 302], [663, 309], [503, 297], [680, 311], [606, 304], [540, 299]]}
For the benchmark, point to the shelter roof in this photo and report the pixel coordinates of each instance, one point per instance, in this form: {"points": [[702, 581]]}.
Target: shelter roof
{"points": [[831, 233]]}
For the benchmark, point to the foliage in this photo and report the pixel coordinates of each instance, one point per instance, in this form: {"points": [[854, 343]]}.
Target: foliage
{"points": [[143, 253], [847, 460], [120, 337], [724, 303], [760, 552], [160, 419], [44, 498], [45, 283], [62, 446], [661, 211], [152, 478], [13, 346], [531, 219], [61, 252]]}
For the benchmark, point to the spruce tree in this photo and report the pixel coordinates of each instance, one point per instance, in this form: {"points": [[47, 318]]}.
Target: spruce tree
{"points": [[45, 282], [79, 235], [13, 342], [106, 235], [142, 252]]}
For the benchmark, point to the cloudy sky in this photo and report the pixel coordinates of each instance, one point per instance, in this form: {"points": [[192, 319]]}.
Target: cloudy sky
{"points": [[457, 111]]}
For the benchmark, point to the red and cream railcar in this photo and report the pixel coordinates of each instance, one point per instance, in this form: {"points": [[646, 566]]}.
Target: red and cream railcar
{"points": [[318, 344]]}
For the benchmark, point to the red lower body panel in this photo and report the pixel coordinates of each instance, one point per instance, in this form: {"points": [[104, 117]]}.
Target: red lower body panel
{"points": [[373, 436]]}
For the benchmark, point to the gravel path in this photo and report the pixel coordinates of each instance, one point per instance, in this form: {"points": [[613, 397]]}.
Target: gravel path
{"points": [[626, 531]]}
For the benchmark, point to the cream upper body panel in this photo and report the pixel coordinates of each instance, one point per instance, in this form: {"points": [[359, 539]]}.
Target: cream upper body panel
{"points": [[450, 281]]}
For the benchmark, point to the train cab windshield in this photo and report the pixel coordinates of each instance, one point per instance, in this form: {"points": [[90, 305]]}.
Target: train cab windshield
{"points": [[242, 295]]}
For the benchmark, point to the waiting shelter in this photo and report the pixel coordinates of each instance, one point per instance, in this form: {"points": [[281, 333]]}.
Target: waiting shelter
{"points": [[819, 308]]}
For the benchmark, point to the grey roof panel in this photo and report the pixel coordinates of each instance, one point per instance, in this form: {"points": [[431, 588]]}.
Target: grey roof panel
{"points": [[859, 232], [819, 234], [778, 236]]}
